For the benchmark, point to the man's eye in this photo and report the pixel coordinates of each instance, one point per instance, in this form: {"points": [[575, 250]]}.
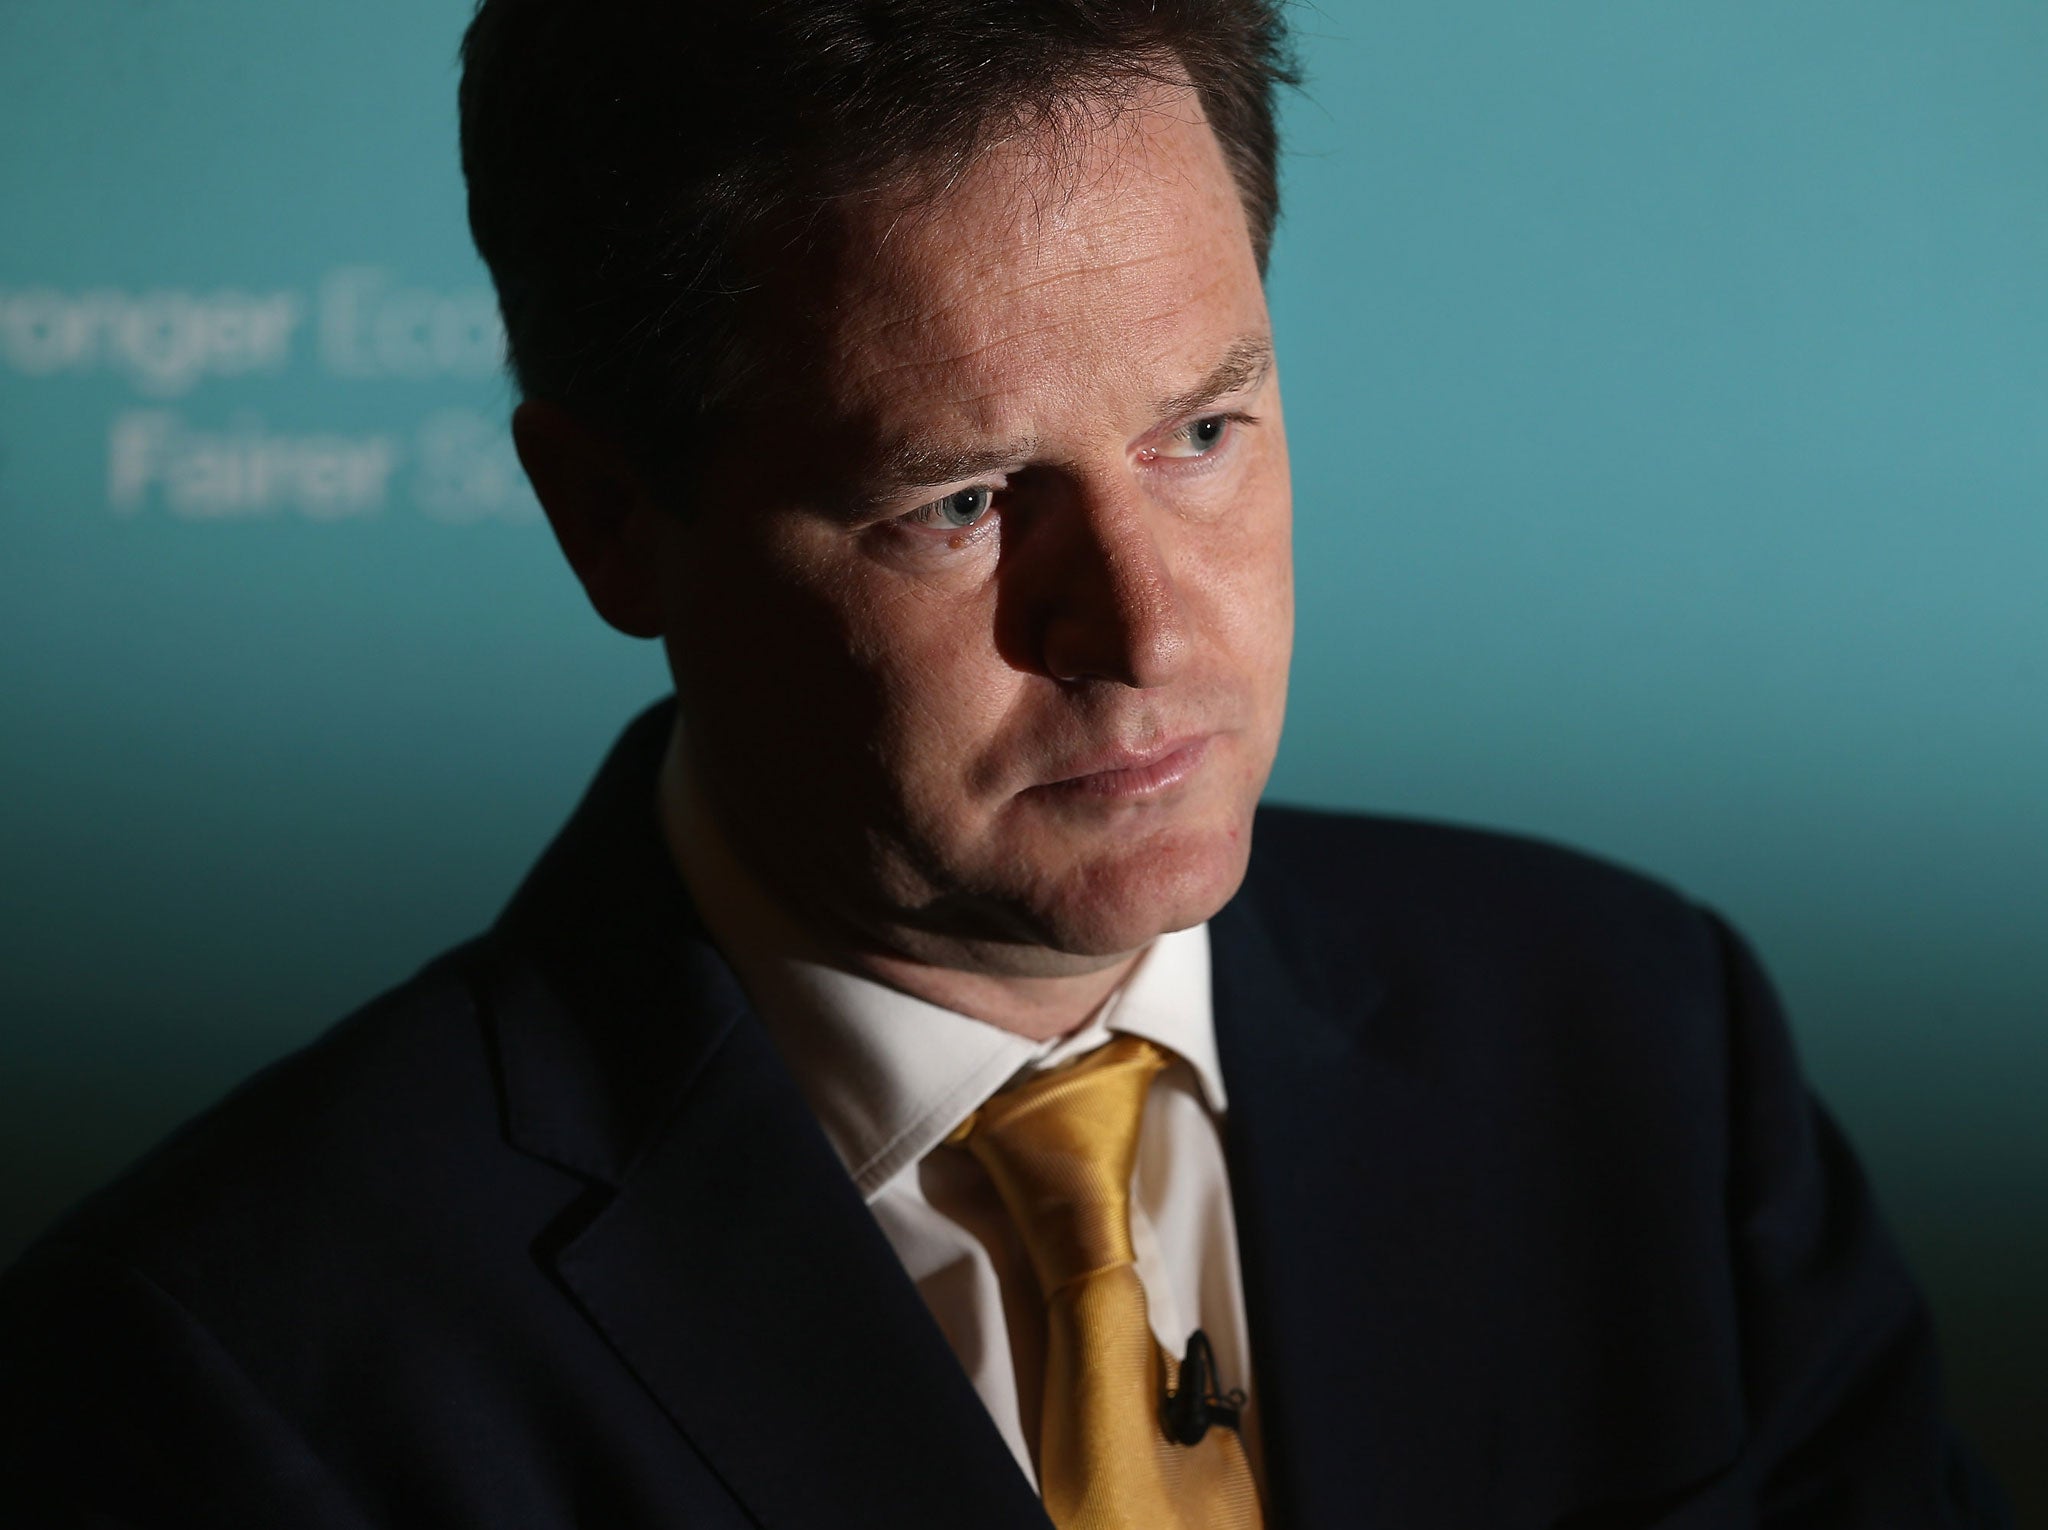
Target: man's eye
{"points": [[1198, 438], [957, 511]]}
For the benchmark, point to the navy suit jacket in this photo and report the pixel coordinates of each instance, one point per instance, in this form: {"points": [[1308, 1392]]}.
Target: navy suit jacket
{"points": [[1539, 1228]]}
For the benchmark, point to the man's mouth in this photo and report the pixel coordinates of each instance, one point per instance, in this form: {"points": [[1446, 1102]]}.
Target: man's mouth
{"points": [[1131, 773]]}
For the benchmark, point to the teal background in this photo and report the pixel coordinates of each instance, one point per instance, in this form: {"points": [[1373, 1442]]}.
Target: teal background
{"points": [[1668, 389]]}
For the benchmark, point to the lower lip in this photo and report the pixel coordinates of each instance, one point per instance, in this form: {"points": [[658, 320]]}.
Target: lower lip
{"points": [[1139, 781]]}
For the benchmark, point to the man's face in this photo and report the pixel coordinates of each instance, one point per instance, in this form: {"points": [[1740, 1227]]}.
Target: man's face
{"points": [[1015, 512]]}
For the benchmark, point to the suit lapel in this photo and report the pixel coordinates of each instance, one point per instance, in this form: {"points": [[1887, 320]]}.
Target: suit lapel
{"points": [[731, 1264], [1354, 1206], [733, 1267], [745, 1282]]}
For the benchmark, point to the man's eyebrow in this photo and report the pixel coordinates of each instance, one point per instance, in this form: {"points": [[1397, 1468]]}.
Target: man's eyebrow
{"points": [[1244, 366], [908, 465]]}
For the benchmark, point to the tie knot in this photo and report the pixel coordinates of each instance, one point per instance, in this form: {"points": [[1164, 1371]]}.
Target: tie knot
{"points": [[1060, 1149]]}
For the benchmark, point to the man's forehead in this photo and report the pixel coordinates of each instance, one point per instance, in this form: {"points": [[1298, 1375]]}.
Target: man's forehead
{"points": [[1033, 212], [1118, 272], [1010, 269]]}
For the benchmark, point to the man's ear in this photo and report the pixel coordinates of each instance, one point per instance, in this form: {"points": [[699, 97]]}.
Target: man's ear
{"points": [[602, 511]]}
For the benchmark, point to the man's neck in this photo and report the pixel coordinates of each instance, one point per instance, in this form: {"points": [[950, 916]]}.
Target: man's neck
{"points": [[1041, 1008], [746, 916]]}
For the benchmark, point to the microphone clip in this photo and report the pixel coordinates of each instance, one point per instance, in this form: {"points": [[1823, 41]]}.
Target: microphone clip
{"points": [[1188, 1411]]}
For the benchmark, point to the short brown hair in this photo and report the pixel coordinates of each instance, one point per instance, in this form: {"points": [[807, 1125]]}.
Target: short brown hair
{"points": [[620, 154]]}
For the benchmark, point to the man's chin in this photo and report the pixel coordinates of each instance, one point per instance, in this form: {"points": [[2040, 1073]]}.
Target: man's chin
{"points": [[1117, 904]]}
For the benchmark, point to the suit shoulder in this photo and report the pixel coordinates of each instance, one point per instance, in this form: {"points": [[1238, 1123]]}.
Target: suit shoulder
{"points": [[1338, 851], [311, 1144], [1530, 982], [1413, 888]]}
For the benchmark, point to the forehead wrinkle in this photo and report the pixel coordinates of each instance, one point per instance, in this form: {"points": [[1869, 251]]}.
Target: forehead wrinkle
{"points": [[962, 360], [1026, 182], [962, 270], [966, 296], [1127, 314], [1245, 362]]}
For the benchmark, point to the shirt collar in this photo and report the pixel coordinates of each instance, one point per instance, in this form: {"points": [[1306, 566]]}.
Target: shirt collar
{"points": [[1165, 999], [889, 1075]]}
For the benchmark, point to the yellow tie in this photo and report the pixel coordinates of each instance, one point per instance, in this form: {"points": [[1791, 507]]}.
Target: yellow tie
{"points": [[1060, 1149]]}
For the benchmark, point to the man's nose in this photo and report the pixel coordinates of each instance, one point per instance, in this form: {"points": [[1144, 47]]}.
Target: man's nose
{"points": [[1110, 608]]}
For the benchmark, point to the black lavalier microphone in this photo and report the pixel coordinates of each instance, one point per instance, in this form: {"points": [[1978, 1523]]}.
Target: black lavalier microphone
{"points": [[1188, 1411]]}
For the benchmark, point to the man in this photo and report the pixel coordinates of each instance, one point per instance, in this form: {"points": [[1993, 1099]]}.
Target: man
{"points": [[921, 1086]]}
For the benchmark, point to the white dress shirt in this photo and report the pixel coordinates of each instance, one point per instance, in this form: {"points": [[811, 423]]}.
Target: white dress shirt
{"points": [[890, 1076]]}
